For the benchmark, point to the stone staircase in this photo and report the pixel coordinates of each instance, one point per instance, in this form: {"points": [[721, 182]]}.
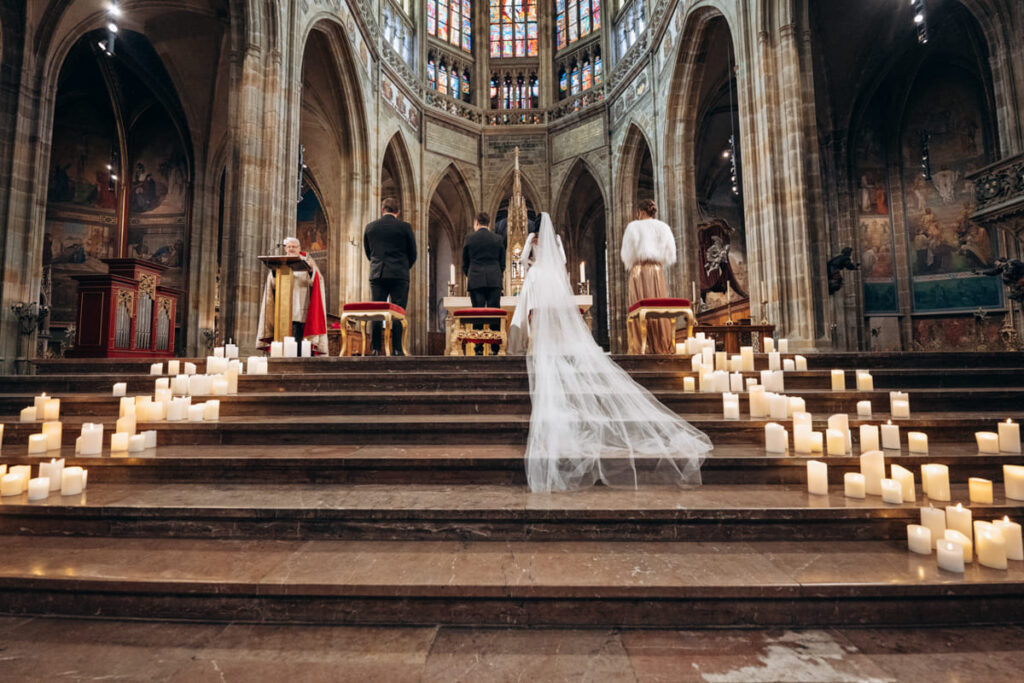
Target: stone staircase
{"points": [[391, 491]]}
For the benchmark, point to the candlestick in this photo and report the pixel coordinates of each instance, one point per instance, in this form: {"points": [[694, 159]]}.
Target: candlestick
{"points": [[853, 485], [950, 555], [919, 539], [1009, 437], [817, 477], [979, 490]]}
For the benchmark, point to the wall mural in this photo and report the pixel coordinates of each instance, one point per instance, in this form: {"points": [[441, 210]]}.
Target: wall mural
{"points": [[943, 244], [878, 272], [311, 227]]}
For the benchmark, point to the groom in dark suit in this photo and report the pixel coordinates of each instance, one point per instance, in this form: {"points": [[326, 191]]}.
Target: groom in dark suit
{"points": [[391, 247], [483, 264]]}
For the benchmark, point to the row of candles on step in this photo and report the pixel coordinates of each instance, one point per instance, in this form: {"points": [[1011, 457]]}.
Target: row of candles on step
{"points": [[290, 348], [708, 359], [956, 537], [53, 476], [700, 341]]}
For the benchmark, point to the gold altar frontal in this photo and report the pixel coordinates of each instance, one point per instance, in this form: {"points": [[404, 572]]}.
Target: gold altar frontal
{"points": [[508, 303]]}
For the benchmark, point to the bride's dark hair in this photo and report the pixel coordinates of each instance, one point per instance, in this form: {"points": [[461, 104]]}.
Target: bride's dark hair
{"points": [[648, 207]]}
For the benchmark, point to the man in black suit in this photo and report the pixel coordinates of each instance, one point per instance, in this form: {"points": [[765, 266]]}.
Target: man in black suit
{"points": [[391, 247], [483, 264]]}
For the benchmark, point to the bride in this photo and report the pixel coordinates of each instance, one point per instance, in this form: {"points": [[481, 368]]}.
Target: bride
{"points": [[519, 328], [590, 421]]}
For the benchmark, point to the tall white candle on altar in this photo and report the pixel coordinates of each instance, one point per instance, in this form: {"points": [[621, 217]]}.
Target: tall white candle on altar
{"points": [[950, 555], [747, 358], [173, 367], [156, 369], [730, 406], [276, 349], [693, 292], [1012, 536], [776, 439], [801, 363], [231, 350], [901, 409], [120, 388], [835, 442], [872, 466], [36, 443], [91, 440], [783, 346], [788, 364], [1009, 437], [72, 481], [838, 380], [39, 488], [979, 490], [960, 518], [892, 492], [451, 273], [119, 441], [988, 442], [919, 539], [40, 404], [865, 382], [890, 436], [769, 345], [937, 477], [906, 480], [1013, 480], [917, 442], [853, 485], [52, 470], [991, 547], [51, 409], [53, 431], [758, 402], [583, 271], [935, 519], [28, 414], [774, 360], [817, 477], [291, 347], [211, 410], [965, 543], [864, 409], [307, 348], [689, 384]]}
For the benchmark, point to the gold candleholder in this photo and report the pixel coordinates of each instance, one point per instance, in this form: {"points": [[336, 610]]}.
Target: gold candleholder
{"points": [[764, 312], [451, 289]]}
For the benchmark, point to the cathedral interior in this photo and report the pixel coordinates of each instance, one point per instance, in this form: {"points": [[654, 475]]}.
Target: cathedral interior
{"points": [[849, 172]]}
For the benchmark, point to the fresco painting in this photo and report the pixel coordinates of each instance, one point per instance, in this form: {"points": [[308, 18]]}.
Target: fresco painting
{"points": [[875, 235], [311, 227]]}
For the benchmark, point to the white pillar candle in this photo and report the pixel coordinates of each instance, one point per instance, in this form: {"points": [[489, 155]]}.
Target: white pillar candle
{"points": [[219, 386], [680, 349], [776, 439], [796, 405], [965, 543], [897, 396], [890, 436], [906, 480], [838, 380], [156, 369], [783, 346], [735, 363], [707, 356], [232, 379], [25, 472], [730, 406], [231, 350], [865, 382], [119, 441], [179, 385], [51, 409], [40, 404], [52, 471], [157, 411], [195, 412], [72, 481], [801, 363], [817, 477], [11, 484], [869, 438], [689, 384], [979, 490], [841, 422], [864, 409], [451, 273], [252, 364], [977, 525], [919, 539], [150, 438], [136, 443], [291, 347], [960, 518], [817, 442], [747, 358], [215, 365], [801, 438], [835, 442], [53, 431], [769, 344], [91, 440], [161, 383], [778, 407], [802, 418], [937, 478], [750, 382], [1009, 437], [199, 385], [211, 411], [235, 365], [36, 443], [218, 351], [872, 466], [190, 368], [1013, 480], [125, 424], [176, 410], [935, 519], [721, 361], [988, 442], [917, 442], [126, 406], [788, 364], [991, 547], [735, 382], [721, 380], [173, 367], [28, 414], [853, 485], [39, 488], [1012, 536], [777, 381], [774, 360], [901, 409], [120, 388], [307, 348], [950, 555]]}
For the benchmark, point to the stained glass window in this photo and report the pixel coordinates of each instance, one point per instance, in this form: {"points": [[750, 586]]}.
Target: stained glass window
{"points": [[563, 84], [442, 79], [494, 92], [450, 21], [574, 81], [431, 74], [513, 28], [588, 76], [465, 85], [575, 19], [598, 70]]}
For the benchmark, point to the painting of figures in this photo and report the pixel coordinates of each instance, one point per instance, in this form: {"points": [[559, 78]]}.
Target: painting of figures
{"points": [[311, 228], [874, 227]]}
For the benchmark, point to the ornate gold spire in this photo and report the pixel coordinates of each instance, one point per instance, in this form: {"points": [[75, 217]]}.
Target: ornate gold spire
{"points": [[517, 222]]}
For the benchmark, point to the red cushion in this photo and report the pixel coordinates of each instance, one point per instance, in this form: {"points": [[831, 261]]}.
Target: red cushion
{"points": [[663, 302], [372, 306], [480, 313]]}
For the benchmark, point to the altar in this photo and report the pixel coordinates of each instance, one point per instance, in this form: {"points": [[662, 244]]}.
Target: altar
{"points": [[508, 303]]}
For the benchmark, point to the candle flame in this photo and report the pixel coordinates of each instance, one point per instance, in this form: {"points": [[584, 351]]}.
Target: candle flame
{"points": [[959, 506], [1006, 518]]}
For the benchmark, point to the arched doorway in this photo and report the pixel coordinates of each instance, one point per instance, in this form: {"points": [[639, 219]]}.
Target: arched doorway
{"points": [[450, 220]]}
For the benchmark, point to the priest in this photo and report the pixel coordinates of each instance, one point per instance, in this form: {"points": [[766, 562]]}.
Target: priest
{"points": [[309, 305]]}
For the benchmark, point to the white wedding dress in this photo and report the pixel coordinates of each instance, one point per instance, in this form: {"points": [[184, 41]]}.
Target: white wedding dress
{"points": [[590, 421], [519, 328]]}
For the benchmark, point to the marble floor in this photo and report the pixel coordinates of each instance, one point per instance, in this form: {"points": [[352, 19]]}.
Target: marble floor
{"points": [[42, 649]]}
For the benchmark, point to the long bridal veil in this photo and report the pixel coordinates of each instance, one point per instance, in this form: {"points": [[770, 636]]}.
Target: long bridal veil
{"points": [[590, 421]]}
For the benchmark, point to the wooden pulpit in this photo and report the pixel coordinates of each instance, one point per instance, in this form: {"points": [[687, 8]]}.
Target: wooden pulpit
{"points": [[284, 269]]}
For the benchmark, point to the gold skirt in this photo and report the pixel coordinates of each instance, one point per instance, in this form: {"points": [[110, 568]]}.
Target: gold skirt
{"points": [[646, 281]]}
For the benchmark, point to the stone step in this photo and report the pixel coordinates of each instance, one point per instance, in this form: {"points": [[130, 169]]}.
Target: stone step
{"points": [[545, 583], [288, 511]]}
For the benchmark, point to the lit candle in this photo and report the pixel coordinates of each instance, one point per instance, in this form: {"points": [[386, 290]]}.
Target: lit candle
{"points": [[991, 547], [764, 293], [817, 477], [965, 544], [176, 410], [53, 431], [119, 441], [872, 466], [735, 382], [72, 481], [917, 442], [801, 363], [173, 367], [869, 438], [307, 348], [747, 358], [91, 440], [28, 414], [276, 349], [817, 442], [796, 405], [853, 485], [979, 490], [680, 349], [36, 443], [788, 364], [950, 555], [774, 360], [783, 346], [1009, 437], [890, 436], [988, 442], [721, 380], [775, 437], [199, 385], [897, 396], [51, 409], [841, 422], [195, 412], [1013, 480], [835, 442], [52, 470], [959, 518], [919, 539], [935, 519], [156, 369], [730, 406], [689, 384], [190, 368], [136, 443], [231, 350], [892, 492], [40, 404], [291, 347], [901, 409], [39, 488], [125, 424], [751, 382], [583, 271], [707, 356], [769, 344], [252, 364], [1012, 536], [864, 409], [906, 480], [451, 273], [935, 481], [838, 380], [693, 292], [211, 410], [864, 381], [120, 388], [11, 484]]}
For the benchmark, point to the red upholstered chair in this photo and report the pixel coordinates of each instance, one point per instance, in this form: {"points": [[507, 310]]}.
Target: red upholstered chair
{"points": [[464, 333], [664, 307], [362, 312]]}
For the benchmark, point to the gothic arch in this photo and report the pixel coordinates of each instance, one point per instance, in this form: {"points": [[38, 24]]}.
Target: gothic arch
{"points": [[632, 154], [504, 191], [406, 180]]}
